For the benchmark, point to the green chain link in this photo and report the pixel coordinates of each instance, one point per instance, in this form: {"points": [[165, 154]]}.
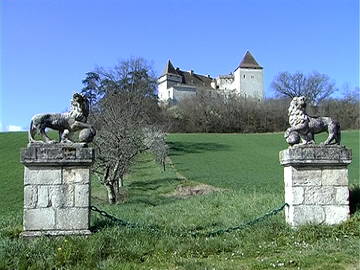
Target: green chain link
{"points": [[154, 228]]}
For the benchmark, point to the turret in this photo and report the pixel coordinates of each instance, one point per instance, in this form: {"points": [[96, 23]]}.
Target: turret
{"points": [[249, 78], [169, 78]]}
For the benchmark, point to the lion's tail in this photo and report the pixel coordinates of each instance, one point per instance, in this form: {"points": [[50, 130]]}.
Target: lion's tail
{"points": [[338, 133], [31, 132]]}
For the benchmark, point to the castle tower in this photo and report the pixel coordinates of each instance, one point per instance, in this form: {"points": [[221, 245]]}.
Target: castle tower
{"points": [[166, 81], [248, 78]]}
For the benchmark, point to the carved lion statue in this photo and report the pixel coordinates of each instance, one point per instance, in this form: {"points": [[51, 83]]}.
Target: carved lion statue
{"points": [[65, 123], [304, 127]]}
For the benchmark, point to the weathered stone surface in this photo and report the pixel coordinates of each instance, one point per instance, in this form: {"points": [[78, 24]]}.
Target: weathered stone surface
{"points": [[315, 155], [305, 214], [342, 195], [73, 175], [316, 179], [47, 153], [29, 234], [56, 189], [63, 123], [72, 218], [320, 195], [30, 196], [42, 176], [294, 195], [302, 176], [62, 196], [85, 153], [58, 154], [69, 152], [334, 177], [82, 195], [43, 196], [336, 214], [39, 219], [28, 154]]}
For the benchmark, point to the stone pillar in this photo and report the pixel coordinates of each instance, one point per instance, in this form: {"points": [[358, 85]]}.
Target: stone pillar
{"points": [[316, 184], [56, 189]]}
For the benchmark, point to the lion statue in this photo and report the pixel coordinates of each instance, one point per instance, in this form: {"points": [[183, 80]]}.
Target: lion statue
{"points": [[303, 127], [65, 123]]}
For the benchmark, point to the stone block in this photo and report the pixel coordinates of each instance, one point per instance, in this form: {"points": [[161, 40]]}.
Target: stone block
{"points": [[85, 153], [305, 214], [336, 214], [73, 175], [69, 152], [315, 155], [62, 196], [58, 154], [294, 195], [72, 218], [42, 176], [48, 153], [31, 234], [43, 196], [39, 219], [288, 171], [82, 195], [342, 195], [320, 195], [327, 152], [28, 154], [304, 176], [334, 177], [30, 196]]}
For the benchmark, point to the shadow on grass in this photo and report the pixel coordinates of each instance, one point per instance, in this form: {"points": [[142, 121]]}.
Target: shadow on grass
{"points": [[354, 198], [179, 148], [159, 201], [153, 184]]}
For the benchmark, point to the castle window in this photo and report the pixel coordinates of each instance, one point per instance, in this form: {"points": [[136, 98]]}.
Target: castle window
{"points": [[252, 76], [169, 93], [244, 76]]}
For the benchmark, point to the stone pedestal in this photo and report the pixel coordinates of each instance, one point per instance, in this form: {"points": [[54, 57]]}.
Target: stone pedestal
{"points": [[316, 184], [56, 189]]}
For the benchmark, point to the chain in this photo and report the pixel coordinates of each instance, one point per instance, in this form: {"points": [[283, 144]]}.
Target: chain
{"points": [[194, 234], [246, 224], [122, 222]]}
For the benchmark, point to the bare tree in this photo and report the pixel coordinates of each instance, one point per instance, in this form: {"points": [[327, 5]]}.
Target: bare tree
{"points": [[156, 143], [125, 107], [314, 86]]}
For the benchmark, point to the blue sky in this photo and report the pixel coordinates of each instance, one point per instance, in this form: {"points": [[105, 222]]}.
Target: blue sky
{"points": [[47, 46]]}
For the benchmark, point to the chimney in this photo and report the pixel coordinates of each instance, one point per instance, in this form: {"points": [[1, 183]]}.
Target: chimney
{"points": [[191, 72]]}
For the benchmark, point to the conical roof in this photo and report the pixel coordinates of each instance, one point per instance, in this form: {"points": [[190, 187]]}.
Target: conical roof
{"points": [[169, 68], [249, 62]]}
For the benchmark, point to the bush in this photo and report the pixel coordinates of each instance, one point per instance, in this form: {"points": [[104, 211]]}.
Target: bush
{"points": [[213, 112]]}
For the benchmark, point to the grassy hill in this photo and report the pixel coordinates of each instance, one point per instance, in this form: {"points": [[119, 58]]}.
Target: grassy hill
{"points": [[244, 165], [242, 161]]}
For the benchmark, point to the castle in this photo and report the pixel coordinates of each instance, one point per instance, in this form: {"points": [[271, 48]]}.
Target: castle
{"points": [[246, 80]]}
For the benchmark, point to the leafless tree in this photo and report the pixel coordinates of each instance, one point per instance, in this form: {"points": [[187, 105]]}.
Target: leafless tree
{"points": [[156, 143], [314, 86], [125, 108]]}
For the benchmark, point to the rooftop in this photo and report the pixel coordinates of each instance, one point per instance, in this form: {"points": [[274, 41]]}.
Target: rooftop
{"points": [[249, 62], [188, 77]]}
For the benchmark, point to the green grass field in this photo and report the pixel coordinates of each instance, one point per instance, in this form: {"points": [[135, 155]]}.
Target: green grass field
{"points": [[245, 165], [241, 161]]}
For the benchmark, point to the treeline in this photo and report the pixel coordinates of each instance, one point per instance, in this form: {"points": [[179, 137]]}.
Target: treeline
{"points": [[232, 113]]}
